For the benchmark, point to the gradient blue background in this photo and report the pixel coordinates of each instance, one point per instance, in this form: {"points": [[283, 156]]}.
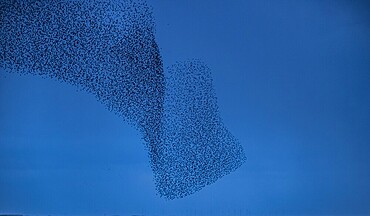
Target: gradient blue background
{"points": [[293, 85]]}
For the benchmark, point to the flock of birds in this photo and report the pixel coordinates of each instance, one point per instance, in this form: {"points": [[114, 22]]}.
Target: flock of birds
{"points": [[108, 49]]}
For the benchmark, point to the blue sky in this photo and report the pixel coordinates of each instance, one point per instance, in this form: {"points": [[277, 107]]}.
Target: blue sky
{"points": [[292, 80]]}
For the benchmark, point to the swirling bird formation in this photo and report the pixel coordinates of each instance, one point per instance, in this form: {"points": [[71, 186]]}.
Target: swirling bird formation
{"points": [[108, 49]]}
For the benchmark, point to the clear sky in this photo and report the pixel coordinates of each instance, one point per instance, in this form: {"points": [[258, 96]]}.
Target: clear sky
{"points": [[293, 85]]}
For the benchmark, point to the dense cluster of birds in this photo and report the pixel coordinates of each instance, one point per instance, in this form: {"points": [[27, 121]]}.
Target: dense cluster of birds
{"points": [[108, 48], [198, 147]]}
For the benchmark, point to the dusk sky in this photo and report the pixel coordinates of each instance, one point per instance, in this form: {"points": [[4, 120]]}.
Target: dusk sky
{"points": [[292, 80]]}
